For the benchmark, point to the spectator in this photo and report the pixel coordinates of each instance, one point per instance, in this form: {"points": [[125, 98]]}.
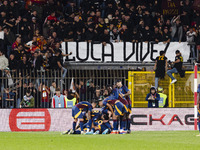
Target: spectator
{"points": [[53, 89], [166, 36], [34, 47], [69, 37], [90, 90], [8, 40], [18, 52], [41, 42], [28, 100], [177, 29], [100, 27], [16, 43], [78, 24], [79, 36], [190, 35], [8, 98], [153, 98], [34, 25], [3, 61], [185, 18], [135, 37], [148, 18], [157, 37], [98, 95], [197, 39], [177, 67], [168, 24], [196, 18], [44, 92], [33, 90], [90, 34], [25, 29], [58, 100], [56, 64], [24, 66], [124, 33], [1, 38], [51, 17], [190, 39], [185, 30], [163, 102], [82, 91], [3, 64], [160, 67], [105, 93], [7, 74], [13, 64], [147, 34], [30, 43], [105, 38], [114, 35], [70, 99], [37, 61]]}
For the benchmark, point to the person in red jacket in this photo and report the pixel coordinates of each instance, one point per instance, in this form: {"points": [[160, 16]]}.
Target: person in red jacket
{"points": [[51, 17], [16, 43]]}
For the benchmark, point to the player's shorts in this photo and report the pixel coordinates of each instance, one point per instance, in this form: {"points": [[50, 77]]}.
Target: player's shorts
{"points": [[198, 113], [119, 109], [96, 123], [104, 126], [77, 113], [125, 108], [95, 118], [129, 109], [129, 106]]}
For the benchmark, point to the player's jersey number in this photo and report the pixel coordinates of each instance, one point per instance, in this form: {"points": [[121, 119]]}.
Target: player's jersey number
{"points": [[161, 57]]}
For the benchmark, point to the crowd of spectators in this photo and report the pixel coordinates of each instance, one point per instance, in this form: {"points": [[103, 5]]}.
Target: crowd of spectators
{"points": [[28, 95], [31, 32]]}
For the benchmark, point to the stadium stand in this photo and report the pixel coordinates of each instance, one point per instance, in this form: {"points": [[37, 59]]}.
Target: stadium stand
{"points": [[31, 34]]}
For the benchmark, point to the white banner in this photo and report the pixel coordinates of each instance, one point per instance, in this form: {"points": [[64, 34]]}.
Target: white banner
{"points": [[122, 51], [142, 119]]}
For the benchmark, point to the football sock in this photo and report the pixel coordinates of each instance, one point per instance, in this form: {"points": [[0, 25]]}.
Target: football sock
{"points": [[77, 132], [115, 125], [124, 124], [81, 125], [121, 122], [128, 124], [89, 123], [92, 130], [74, 125]]}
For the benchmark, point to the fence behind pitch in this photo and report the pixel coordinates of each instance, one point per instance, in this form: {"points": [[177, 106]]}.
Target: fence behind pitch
{"points": [[100, 78], [180, 94]]}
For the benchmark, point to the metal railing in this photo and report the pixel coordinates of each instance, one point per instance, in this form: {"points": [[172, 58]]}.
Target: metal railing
{"points": [[180, 94], [15, 84]]}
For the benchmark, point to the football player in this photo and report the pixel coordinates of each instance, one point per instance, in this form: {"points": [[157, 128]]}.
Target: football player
{"points": [[77, 114], [125, 93]]}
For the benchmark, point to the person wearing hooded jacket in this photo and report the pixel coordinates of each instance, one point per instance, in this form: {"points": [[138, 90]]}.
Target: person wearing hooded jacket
{"points": [[178, 63], [153, 98]]}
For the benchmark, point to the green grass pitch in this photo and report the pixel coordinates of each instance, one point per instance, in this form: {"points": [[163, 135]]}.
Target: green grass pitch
{"points": [[169, 140]]}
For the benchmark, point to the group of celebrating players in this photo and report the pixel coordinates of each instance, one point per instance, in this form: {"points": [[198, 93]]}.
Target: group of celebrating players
{"points": [[117, 106]]}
